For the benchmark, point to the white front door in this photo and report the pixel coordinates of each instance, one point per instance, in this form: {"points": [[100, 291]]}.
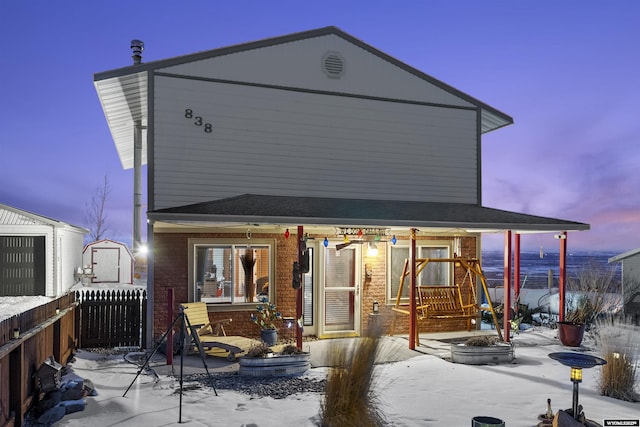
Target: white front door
{"points": [[340, 291]]}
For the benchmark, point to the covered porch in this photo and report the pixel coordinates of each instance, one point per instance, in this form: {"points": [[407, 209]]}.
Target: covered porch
{"points": [[323, 221]]}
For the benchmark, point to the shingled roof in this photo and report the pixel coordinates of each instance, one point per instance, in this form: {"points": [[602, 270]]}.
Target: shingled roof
{"points": [[253, 208]]}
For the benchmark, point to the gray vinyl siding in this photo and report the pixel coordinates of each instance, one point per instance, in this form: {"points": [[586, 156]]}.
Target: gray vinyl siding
{"points": [[299, 64], [286, 142]]}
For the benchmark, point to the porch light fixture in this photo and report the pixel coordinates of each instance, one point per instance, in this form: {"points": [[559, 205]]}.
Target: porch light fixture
{"points": [[16, 333], [288, 322], [372, 250], [376, 307]]}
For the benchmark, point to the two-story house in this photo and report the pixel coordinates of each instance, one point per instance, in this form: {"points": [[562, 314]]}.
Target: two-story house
{"points": [[315, 131]]}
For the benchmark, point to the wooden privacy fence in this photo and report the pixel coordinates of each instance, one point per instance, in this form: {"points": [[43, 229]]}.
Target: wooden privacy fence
{"points": [[26, 341], [112, 318]]}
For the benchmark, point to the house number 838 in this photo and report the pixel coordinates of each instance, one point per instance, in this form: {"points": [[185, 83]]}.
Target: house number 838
{"points": [[198, 121]]}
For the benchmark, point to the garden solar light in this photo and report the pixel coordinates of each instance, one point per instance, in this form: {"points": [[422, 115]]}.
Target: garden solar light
{"points": [[576, 375], [576, 361]]}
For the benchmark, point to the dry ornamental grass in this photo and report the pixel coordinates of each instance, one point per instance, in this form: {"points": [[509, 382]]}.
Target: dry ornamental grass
{"points": [[619, 345], [349, 399]]}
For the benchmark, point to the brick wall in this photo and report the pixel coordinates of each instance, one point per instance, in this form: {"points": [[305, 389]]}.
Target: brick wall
{"points": [[171, 270]]}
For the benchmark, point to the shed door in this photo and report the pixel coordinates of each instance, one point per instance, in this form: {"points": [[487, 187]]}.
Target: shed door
{"points": [[22, 266], [106, 265]]}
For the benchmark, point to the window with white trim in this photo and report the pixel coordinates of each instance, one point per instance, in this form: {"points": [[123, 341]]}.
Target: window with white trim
{"points": [[434, 274], [230, 273]]}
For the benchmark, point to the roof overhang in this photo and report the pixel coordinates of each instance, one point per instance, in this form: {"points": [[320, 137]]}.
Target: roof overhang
{"points": [[124, 102], [266, 210], [625, 255]]}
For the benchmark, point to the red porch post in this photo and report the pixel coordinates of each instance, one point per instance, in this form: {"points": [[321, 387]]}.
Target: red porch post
{"points": [[506, 307], [563, 275], [516, 270], [169, 325], [299, 290], [412, 293]]}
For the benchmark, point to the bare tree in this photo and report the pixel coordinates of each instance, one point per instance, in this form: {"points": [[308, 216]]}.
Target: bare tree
{"points": [[96, 218]]}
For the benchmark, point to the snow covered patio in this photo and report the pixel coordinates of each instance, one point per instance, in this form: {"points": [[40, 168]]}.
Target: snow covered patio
{"points": [[413, 387]]}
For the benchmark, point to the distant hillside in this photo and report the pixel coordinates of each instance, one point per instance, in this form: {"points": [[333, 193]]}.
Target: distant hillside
{"points": [[534, 266]]}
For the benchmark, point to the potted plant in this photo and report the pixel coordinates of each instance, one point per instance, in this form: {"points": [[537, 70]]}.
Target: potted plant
{"points": [[265, 317], [587, 300], [580, 314], [482, 349], [262, 361]]}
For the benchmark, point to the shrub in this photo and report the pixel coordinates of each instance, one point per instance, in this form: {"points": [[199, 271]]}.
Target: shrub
{"points": [[591, 288], [292, 349], [619, 345], [259, 350], [482, 341]]}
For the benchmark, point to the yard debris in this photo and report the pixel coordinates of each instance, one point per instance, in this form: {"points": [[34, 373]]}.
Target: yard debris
{"points": [[61, 392]]}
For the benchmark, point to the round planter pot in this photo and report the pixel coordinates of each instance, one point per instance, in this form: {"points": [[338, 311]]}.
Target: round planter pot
{"points": [[486, 422], [476, 355], [269, 336], [275, 366], [571, 334]]}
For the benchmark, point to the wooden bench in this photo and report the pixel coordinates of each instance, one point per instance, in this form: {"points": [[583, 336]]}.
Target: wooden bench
{"points": [[439, 302], [205, 334], [444, 302]]}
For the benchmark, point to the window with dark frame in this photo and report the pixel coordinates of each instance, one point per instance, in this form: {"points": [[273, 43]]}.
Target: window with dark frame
{"points": [[434, 274], [230, 273]]}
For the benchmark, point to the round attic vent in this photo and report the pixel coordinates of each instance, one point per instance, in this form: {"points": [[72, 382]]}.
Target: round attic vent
{"points": [[333, 65]]}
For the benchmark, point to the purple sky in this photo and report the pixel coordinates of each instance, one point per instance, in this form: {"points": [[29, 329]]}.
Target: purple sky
{"points": [[568, 72]]}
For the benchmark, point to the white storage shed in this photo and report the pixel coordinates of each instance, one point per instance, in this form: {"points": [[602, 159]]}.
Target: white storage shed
{"points": [[108, 262]]}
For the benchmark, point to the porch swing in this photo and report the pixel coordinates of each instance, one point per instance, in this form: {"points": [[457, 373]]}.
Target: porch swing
{"points": [[446, 301]]}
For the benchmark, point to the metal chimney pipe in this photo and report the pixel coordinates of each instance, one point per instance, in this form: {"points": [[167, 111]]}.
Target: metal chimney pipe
{"points": [[137, 46]]}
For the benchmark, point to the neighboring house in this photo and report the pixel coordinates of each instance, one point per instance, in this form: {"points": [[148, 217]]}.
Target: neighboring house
{"points": [[110, 262], [317, 130], [630, 261], [38, 255]]}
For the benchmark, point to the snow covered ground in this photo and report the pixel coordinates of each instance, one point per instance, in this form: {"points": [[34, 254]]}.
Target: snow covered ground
{"points": [[415, 389], [419, 390], [10, 306]]}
